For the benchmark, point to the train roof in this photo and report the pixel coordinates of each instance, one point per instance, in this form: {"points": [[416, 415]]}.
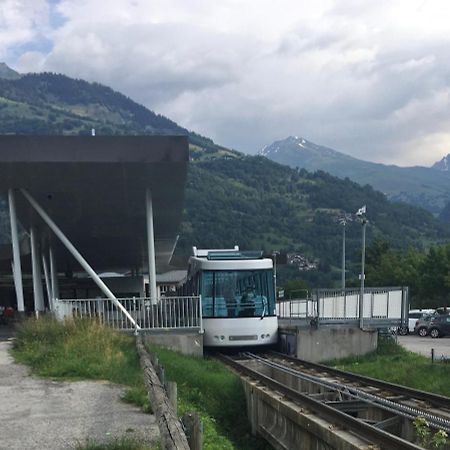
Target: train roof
{"points": [[227, 254], [228, 259]]}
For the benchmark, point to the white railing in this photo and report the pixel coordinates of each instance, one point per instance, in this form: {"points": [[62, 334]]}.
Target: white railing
{"points": [[149, 314], [389, 303]]}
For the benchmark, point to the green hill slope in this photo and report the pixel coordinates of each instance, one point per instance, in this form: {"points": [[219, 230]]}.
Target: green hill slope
{"points": [[257, 203], [230, 198]]}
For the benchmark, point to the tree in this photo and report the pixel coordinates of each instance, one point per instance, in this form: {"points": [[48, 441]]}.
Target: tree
{"points": [[295, 288]]}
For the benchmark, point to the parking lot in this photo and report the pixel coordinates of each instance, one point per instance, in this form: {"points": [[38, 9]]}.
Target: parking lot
{"points": [[423, 345]]}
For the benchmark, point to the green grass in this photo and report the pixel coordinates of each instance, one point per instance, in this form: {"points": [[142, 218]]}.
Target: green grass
{"points": [[391, 362], [208, 387], [116, 444], [81, 349]]}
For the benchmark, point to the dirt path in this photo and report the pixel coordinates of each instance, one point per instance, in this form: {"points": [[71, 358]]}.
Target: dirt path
{"points": [[52, 415]]}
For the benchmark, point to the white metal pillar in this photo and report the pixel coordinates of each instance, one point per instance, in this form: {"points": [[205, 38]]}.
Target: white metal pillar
{"points": [[53, 275], [37, 272], [343, 257], [363, 258], [76, 254], [47, 282], [151, 246], [17, 272]]}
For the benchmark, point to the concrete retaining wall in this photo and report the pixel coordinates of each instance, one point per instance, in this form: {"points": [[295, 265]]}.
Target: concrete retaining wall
{"points": [[185, 343], [326, 343], [288, 426]]}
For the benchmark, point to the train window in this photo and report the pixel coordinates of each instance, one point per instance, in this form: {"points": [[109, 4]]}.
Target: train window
{"points": [[243, 293]]}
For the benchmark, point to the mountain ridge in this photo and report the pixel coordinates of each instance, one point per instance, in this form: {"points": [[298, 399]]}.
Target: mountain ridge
{"points": [[231, 198], [425, 187], [7, 73], [443, 164]]}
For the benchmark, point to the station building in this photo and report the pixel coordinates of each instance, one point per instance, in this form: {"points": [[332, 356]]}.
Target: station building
{"points": [[89, 216]]}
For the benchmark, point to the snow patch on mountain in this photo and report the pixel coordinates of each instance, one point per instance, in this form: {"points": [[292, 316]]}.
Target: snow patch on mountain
{"points": [[443, 164]]}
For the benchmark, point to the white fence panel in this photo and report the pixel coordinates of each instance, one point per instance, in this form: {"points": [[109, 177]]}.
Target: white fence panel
{"points": [[149, 314], [378, 303], [352, 306], [395, 304]]}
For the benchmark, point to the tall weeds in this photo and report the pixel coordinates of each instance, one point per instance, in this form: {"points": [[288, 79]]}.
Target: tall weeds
{"points": [[80, 349]]}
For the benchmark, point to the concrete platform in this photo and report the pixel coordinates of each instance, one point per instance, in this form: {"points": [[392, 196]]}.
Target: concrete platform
{"points": [[326, 343], [182, 341]]}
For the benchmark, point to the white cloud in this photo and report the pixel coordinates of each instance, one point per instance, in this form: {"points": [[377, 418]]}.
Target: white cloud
{"points": [[367, 78], [21, 21]]}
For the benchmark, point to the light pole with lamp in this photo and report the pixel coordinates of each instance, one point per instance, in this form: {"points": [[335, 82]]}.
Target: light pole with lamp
{"points": [[274, 254], [361, 213], [343, 220]]}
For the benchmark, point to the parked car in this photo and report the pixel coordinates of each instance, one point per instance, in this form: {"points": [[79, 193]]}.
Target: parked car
{"points": [[439, 325], [414, 315], [422, 325]]}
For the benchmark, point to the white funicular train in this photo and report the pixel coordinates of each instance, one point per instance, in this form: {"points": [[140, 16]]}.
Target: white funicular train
{"points": [[238, 296]]}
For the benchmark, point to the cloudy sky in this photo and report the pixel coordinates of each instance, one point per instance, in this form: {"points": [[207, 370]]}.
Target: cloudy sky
{"points": [[370, 78]]}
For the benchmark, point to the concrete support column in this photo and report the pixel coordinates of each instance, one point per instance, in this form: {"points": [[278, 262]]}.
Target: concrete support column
{"points": [[17, 268], [37, 272], [151, 247], [53, 275]]}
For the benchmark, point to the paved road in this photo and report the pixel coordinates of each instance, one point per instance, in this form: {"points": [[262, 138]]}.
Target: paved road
{"points": [[39, 414], [424, 345]]}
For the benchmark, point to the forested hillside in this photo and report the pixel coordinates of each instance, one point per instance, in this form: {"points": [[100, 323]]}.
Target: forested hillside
{"points": [[231, 198], [425, 272], [257, 203]]}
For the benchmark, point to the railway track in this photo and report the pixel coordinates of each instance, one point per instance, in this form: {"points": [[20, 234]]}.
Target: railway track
{"points": [[379, 412], [426, 403]]}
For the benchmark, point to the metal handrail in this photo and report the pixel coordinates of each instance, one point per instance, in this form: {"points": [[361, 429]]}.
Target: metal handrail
{"points": [[147, 313]]}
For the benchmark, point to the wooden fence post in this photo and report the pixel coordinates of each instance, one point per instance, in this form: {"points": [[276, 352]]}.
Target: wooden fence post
{"points": [[194, 430], [172, 393], [172, 433]]}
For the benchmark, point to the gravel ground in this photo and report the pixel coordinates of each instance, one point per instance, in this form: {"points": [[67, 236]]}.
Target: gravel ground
{"points": [[424, 345], [39, 414]]}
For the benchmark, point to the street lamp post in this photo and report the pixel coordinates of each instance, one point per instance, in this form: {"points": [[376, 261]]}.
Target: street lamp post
{"points": [[274, 254], [343, 220], [361, 213], [343, 255]]}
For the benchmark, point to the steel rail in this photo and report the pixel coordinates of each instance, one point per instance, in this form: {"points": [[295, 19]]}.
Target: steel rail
{"points": [[434, 399], [394, 407], [364, 430]]}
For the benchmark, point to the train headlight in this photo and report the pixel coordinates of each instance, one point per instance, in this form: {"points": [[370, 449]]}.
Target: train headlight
{"points": [[222, 338], [216, 338], [267, 335], [262, 336]]}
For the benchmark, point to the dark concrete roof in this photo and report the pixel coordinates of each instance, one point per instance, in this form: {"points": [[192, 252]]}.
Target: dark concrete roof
{"points": [[171, 277], [94, 189]]}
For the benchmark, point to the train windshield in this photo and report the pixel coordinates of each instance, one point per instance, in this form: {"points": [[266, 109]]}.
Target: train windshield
{"points": [[240, 293]]}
